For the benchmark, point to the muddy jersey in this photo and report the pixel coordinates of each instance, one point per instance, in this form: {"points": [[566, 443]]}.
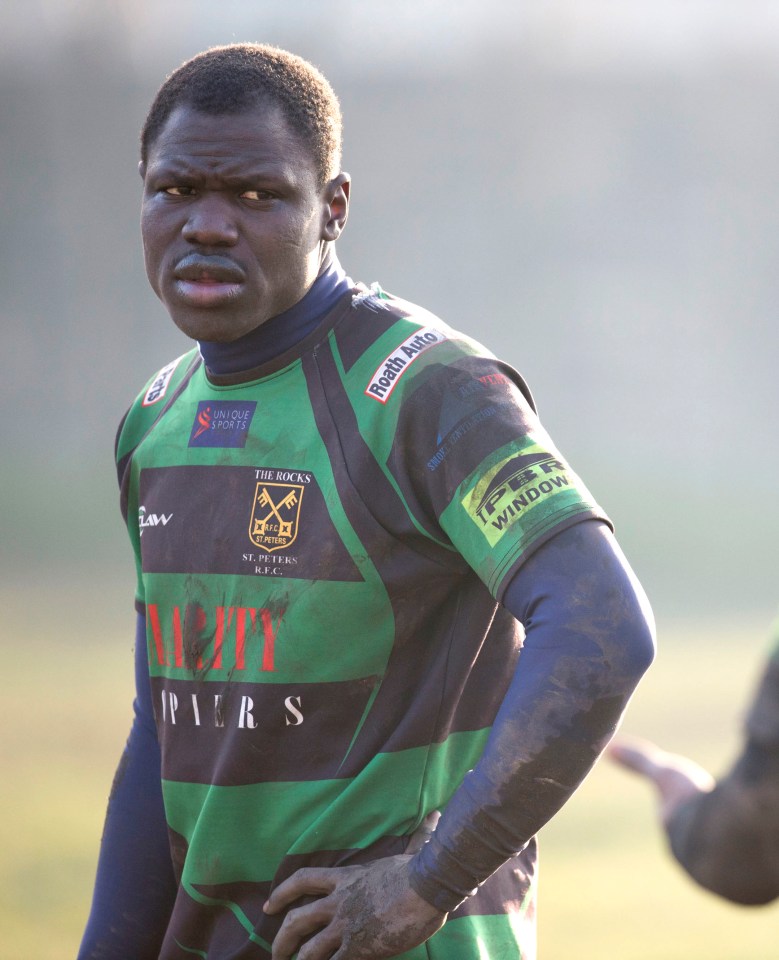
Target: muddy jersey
{"points": [[321, 545]]}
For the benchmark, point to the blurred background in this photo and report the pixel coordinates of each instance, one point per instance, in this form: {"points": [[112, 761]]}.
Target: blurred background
{"points": [[586, 186]]}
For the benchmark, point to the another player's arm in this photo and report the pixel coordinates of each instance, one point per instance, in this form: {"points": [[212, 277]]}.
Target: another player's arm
{"points": [[727, 839], [724, 833]]}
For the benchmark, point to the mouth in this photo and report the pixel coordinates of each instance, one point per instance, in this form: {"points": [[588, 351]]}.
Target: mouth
{"points": [[204, 281]]}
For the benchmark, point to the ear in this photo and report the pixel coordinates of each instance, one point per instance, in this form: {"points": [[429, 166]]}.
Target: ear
{"points": [[336, 196], [142, 169]]}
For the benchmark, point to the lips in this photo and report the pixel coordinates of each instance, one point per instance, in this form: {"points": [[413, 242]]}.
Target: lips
{"points": [[197, 268], [206, 281]]}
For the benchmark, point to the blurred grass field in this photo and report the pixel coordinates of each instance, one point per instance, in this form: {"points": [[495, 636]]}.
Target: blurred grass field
{"points": [[608, 889]]}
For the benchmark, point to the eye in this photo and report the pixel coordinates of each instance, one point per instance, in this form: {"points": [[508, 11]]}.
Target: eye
{"points": [[258, 195], [179, 191]]}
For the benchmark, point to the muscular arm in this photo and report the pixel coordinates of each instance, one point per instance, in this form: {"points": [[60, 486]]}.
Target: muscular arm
{"points": [[588, 641], [135, 887]]}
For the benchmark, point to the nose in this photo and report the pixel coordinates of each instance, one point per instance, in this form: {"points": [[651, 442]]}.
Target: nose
{"points": [[211, 223]]}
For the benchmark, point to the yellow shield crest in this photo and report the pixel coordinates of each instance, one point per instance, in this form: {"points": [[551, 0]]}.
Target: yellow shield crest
{"points": [[275, 514]]}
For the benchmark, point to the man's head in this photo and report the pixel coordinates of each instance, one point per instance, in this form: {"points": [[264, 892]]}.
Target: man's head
{"points": [[242, 194], [232, 79]]}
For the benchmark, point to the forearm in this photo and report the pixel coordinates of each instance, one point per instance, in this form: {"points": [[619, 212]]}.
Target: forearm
{"points": [[588, 641], [728, 839], [135, 886]]}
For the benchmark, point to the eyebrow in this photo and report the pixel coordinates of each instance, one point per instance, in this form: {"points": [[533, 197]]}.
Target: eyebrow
{"points": [[264, 170]]}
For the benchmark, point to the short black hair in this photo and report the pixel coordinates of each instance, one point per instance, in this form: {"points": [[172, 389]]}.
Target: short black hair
{"points": [[233, 78]]}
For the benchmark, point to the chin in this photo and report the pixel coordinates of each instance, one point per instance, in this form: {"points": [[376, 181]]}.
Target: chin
{"points": [[211, 331]]}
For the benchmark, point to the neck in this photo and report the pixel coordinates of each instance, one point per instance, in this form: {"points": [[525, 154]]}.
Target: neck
{"points": [[283, 331]]}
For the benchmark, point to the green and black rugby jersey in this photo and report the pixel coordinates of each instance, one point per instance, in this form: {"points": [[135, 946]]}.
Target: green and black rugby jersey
{"points": [[321, 546]]}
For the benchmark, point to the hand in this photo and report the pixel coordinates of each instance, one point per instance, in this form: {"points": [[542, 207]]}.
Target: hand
{"points": [[363, 912], [676, 777]]}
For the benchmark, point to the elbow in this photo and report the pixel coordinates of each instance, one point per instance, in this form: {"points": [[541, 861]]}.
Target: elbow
{"points": [[640, 649], [640, 634], [633, 626], [632, 653]]}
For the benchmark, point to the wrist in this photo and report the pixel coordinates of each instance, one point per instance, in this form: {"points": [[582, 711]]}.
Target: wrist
{"points": [[438, 878]]}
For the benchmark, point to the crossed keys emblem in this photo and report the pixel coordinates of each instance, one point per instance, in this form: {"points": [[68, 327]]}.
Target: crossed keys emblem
{"points": [[275, 513]]}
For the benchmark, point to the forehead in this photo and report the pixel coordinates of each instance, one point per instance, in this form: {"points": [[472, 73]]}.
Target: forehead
{"points": [[257, 136]]}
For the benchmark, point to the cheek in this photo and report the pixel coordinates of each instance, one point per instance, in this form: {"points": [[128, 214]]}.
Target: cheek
{"points": [[283, 253], [153, 248], [294, 236], [156, 230], [292, 262], [149, 232]]}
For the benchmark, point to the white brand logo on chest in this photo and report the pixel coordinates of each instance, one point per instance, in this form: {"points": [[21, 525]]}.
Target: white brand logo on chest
{"points": [[152, 519]]}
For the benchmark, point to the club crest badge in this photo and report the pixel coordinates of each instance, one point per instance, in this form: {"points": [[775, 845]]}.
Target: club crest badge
{"points": [[275, 514]]}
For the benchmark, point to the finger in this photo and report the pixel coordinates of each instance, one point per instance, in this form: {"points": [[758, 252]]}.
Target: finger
{"points": [[323, 946], [423, 832], [676, 778], [298, 925], [308, 880], [640, 756]]}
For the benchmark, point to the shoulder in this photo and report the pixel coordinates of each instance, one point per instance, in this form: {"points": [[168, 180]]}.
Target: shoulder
{"points": [[406, 320], [153, 400], [390, 346]]}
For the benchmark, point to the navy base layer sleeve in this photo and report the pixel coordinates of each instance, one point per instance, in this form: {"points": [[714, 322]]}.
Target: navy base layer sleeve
{"points": [[589, 637], [135, 887]]}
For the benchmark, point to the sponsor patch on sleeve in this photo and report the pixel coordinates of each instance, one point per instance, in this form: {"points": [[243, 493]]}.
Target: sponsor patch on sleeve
{"points": [[527, 490], [159, 384], [392, 368]]}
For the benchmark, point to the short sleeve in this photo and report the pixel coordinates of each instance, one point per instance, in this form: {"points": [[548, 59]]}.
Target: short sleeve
{"points": [[472, 457], [148, 407]]}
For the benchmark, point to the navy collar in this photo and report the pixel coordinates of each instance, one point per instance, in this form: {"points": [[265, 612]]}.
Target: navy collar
{"points": [[283, 331]]}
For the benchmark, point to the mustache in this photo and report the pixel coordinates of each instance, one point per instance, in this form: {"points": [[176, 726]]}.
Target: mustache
{"points": [[208, 267]]}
